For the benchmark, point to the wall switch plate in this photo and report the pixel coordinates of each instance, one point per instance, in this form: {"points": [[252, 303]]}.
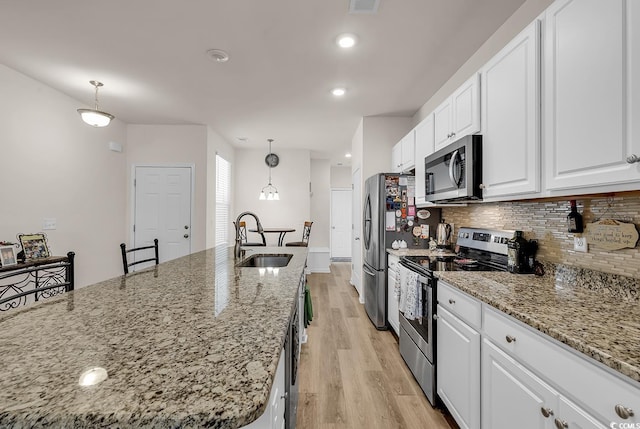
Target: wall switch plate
{"points": [[49, 223], [580, 244]]}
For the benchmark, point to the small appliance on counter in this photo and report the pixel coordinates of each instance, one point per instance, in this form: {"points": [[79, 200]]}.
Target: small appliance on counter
{"points": [[521, 254], [443, 235]]}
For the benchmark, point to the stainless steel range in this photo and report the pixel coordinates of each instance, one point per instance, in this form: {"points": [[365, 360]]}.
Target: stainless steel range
{"points": [[476, 250]]}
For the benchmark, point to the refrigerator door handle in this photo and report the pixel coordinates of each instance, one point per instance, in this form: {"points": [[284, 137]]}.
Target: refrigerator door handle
{"points": [[366, 271]]}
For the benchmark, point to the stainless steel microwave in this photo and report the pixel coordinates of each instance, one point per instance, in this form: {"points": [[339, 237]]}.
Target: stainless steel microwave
{"points": [[454, 173]]}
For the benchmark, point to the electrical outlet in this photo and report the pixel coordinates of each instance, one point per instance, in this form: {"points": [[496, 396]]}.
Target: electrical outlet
{"points": [[580, 244]]}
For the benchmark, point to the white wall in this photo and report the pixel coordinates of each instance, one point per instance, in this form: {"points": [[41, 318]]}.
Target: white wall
{"points": [[320, 203], [292, 177], [172, 145], [341, 177], [58, 167], [514, 25]]}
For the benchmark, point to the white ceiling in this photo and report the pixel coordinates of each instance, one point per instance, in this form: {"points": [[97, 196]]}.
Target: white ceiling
{"points": [[151, 57]]}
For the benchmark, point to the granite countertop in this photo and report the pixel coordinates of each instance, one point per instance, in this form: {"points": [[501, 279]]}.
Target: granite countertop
{"points": [[193, 342], [419, 252], [602, 324]]}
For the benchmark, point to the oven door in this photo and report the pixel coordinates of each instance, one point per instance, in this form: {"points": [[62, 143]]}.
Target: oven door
{"points": [[421, 329]]}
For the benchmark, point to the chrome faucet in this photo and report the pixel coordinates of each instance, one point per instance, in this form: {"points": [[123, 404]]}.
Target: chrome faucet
{"points": [[237, 249]]}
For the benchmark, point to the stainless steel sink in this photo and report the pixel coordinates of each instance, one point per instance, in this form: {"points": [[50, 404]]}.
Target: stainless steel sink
{"points": [[261, 260]]}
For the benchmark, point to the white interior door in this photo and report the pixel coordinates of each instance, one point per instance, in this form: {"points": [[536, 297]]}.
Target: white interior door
{"points": [[341, 223], [162, 209], [356, 215]]}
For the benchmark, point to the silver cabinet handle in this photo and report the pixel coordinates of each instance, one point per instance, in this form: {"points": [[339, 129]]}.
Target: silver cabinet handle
{"points": [[357, 238], [436, 317], [561, 424], [546, 412], [510, 339], [633, 158], [452, 301], [186, 236], [448, 135], [186, 227], [623, 412], [453, 134], [482, 186]]}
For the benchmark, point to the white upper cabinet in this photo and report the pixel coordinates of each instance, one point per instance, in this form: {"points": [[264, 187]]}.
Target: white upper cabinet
{"points": [[396, 158], [511, 118], [424, 147], [591, 106], [458, 115], [408, 151], [402, 156]]}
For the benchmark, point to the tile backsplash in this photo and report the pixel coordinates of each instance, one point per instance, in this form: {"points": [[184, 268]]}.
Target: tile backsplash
{"points": [[546, 221]]}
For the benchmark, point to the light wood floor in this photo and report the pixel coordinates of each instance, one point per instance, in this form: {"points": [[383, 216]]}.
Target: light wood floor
{"points": [[352, 375]]}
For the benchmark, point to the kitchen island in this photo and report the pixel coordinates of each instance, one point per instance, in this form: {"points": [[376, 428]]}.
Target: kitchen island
{"points": [[192, 342]]}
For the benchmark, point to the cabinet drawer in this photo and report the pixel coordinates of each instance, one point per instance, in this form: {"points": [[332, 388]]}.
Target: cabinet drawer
{"points": [[579, 377], [459, 303]]}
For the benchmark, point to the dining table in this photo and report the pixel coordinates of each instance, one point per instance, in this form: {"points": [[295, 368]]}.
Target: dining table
{"points": [[281, 231]]}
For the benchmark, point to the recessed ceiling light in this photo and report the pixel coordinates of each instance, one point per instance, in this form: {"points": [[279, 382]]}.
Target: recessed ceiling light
{"points": [[346, 40], [347, 155], [219, 55], [338, 92]]}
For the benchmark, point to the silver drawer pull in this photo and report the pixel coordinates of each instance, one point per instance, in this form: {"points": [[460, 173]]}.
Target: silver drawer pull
{"points": [[546, 412], [623, 412], [436, 317], [451, 301], [510, 339], [561, 424], [632, 159]]}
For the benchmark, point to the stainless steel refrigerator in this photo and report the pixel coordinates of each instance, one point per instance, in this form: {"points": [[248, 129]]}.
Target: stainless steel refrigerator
{"points": [[389, 214]]}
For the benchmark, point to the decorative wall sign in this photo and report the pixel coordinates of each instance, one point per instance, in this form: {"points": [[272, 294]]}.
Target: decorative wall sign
{"points": [[610, 234]]}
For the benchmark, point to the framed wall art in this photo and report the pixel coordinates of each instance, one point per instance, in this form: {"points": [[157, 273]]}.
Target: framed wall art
{"points": [[34, 245]]}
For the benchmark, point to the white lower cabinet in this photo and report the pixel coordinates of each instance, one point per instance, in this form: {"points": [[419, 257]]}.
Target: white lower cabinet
{"points": [[511, 395], [458, 368], [495, 372], [273, 417], [393, 318]]}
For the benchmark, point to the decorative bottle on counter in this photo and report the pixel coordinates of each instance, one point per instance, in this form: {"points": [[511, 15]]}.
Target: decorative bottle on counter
{"points": [[574, 219], [516, 253]]}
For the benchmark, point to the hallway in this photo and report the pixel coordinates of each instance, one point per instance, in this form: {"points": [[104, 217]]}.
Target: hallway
{"points": [[351, 375]]}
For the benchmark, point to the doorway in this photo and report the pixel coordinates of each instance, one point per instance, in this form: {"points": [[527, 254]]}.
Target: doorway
{"points": [[341, 225], [162, 209]]}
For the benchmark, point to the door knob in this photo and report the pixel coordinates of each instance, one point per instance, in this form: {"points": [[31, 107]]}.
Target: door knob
{"points": [[186, 236]]}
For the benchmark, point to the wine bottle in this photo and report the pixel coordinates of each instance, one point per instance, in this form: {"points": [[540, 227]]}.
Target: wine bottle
{"points": [[574, 219]]}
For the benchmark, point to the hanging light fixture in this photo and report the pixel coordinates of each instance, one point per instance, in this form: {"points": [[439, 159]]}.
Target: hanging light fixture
{"points": [[270, 192], [95, 117]]}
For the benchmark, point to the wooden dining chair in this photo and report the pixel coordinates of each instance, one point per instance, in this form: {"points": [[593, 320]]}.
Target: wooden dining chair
{"points": [[243, 235], [306, 232], [125, 254]]}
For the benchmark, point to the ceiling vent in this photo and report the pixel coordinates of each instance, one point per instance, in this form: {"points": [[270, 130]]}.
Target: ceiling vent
{"points": [[363, 6]]}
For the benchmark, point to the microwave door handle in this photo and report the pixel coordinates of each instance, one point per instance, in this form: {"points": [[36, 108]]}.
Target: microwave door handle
{"points": [[452, 165]]}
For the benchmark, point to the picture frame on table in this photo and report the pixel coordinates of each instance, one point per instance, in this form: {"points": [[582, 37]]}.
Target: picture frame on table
{"points": [[34, 246], [8, 256]]}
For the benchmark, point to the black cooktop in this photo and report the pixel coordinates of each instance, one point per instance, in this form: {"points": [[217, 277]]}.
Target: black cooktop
{"points": [[428, 264]]}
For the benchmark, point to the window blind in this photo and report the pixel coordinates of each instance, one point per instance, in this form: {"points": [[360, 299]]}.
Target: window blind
{"points": [[223, 199]]}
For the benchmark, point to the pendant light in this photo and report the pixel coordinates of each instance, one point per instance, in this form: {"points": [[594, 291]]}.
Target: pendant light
{"points": [[270, 192], [95, 117]]}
